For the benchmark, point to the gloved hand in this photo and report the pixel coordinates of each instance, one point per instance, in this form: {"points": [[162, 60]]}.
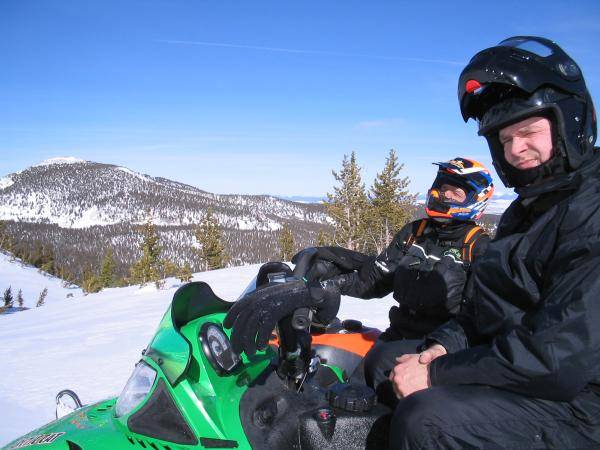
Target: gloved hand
{"points": [[253, 317], [324, 263], [312, 267]]}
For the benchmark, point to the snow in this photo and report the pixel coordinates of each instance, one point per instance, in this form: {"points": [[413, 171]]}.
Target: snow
{"points": [[91, 343], [135, 174], [6, 182], [60, 160], [32, 281], [89, 217]]}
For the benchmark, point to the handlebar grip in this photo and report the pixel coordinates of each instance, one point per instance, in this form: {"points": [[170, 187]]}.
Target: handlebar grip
{"points": [[302, 318]]}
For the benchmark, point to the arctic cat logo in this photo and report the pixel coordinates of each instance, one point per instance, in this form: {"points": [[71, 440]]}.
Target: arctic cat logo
{"points": [[40, 439]]}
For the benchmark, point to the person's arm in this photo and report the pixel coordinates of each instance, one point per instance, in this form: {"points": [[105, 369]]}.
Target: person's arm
{"points": [[459, 332], [375, 278], [554, 351]]}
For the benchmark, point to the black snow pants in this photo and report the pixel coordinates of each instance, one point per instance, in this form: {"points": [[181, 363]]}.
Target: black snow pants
{"points": [[483, 417], [381, 359], [478, 417]]}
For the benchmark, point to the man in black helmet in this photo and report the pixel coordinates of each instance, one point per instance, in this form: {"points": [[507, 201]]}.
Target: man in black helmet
{"points": [[521, 367]]}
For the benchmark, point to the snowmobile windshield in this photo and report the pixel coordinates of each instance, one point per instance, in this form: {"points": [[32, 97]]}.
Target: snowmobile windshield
{"points": [[250, 288], [169, 350]]}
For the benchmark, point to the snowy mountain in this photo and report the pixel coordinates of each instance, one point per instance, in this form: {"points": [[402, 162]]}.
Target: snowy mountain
{"points": [[90, 344], [81, 208], [73, 193]]}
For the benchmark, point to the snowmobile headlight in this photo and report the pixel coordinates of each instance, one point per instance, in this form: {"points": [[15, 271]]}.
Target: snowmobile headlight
{"points": [[218, 349], [139, 384]]}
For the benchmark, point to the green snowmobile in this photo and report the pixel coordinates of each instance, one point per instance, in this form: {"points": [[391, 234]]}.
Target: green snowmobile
{"points": [[190, 390]]}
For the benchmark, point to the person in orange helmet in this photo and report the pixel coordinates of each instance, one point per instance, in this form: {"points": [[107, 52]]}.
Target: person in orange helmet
{"points": [[425, 266]]}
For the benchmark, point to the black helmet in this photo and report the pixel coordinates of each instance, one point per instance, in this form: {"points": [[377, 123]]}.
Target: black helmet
{"points": [[526, 76]]}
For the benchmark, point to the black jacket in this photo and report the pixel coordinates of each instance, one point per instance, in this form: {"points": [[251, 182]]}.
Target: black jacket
{"points": [[427, 277], [533, 321]]}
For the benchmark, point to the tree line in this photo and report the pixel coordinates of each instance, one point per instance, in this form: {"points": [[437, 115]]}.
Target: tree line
{"points": [[151, 267], [362, 219]]}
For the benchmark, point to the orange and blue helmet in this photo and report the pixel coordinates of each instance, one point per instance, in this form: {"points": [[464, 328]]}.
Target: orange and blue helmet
{"points": [[471, 176]]}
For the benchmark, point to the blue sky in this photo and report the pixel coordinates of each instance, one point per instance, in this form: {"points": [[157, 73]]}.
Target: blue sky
{"points": [[257, 96]]}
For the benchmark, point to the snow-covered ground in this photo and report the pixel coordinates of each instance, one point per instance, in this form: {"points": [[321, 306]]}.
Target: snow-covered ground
{"points": [[91, 343], [32, 282]]}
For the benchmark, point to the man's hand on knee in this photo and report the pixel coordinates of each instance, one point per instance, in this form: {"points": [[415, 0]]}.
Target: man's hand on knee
{"points": [[433, 352], [409, 375]]}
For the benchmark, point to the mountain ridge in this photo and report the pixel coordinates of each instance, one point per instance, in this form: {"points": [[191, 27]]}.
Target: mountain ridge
{"points": [[81, 208]]}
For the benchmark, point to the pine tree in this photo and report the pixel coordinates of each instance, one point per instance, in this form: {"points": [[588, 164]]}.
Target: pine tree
{"points": [[20, 300], [67, 277], [323, 238], [42, 298], [8, 298], [170, 269], [90, 281], [348, 206], [392, 206], [6, 240], [149, 267], [185, 273], [286, 243], [107, 270], [47, 263], [36, 255], [212, 251]]}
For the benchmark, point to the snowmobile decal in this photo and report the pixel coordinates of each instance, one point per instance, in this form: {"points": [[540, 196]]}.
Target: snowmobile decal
{"points": [[37, 440]]}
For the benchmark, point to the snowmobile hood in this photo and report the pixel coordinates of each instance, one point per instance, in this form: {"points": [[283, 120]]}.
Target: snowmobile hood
{"points": [[169, 348], [89, 427]]}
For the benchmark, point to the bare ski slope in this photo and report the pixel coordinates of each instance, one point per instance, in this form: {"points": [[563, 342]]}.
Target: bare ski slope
{"points": [[91, 343]]}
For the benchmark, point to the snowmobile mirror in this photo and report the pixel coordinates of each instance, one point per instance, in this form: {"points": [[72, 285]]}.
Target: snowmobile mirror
{"points": [[67, 401]]}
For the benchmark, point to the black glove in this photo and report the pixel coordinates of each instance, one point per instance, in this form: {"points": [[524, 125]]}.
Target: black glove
{"points": [[324, 263], [312, 267], [253, 317]]}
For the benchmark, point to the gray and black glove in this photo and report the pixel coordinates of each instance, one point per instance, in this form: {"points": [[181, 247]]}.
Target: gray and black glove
{"points": [[254, 317]]}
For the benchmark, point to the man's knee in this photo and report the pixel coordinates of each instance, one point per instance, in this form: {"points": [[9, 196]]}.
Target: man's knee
{"points": [[374, 364], [417, 418], [381, 359], [415, 410]]}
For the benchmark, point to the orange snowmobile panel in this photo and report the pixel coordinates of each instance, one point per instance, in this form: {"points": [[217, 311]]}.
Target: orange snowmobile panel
{"points": [[357, 343]]}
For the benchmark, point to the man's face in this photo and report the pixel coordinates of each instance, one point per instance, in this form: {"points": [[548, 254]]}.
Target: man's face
{"points": [[453, 194], [527, 143]]}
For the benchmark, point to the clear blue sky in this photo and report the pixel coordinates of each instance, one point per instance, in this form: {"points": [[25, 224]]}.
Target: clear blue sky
{"points": [[257, 96]]}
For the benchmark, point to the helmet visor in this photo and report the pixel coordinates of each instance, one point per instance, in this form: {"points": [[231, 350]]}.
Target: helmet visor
{"points": [[530, 45]]}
